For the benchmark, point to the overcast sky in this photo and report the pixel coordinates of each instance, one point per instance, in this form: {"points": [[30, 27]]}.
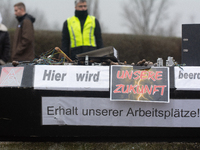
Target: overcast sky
{"points": [[188, 11]]}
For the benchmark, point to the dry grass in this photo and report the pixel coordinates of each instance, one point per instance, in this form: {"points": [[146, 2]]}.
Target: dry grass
{"points": [[97, 146], [131, 48]]}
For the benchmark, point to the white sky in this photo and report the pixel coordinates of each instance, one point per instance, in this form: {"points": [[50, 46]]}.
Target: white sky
{"points": [[188, 11]]}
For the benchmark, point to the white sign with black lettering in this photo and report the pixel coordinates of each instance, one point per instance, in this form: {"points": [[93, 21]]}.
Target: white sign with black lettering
{"points": [[187, 78], [103, 112], [85, 78]]}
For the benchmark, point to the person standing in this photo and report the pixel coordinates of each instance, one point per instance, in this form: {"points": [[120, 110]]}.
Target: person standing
{"points": [[4, 43], [81, 33], [23, 42]]}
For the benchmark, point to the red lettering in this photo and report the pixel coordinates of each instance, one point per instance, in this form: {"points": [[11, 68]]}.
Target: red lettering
{"points": [[146, 89], [158, 75], [118, 87], [151, 75], [155, 89], [159, 86], [127, 89], [140, 91], [129, 75], [140, 75], [121, 88], [137, 74], [143, 75], [132, 89], [162, 87], [122, 76]]}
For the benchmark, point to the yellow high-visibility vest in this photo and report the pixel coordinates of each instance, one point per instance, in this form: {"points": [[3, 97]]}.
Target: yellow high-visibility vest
{"points": [[78, 38]]}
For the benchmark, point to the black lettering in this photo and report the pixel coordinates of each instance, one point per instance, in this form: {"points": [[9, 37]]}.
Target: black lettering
{"points": [[193, 114], [92, 112], [85, 113], [80, 77], [68, 111], [104, 112], [186, 114], [130, 112], [160, 113], [50, 110], [52, 77], [96, 77], [86, 77], [191, 75], [141, 112], [90, 76], [148, 113], [180, 75], [98, 112], [185, 75], [195, 74], [47, 75], [198, 76], [63, 75], [188, 75], [57, 77]]}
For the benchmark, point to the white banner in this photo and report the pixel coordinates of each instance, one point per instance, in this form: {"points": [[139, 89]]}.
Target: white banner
{"points": [[103, 112], [85, 78], [187, 78]]}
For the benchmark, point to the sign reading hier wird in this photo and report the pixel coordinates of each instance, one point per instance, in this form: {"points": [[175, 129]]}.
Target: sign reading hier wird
{"points": [[85, 78], [130, 83]]}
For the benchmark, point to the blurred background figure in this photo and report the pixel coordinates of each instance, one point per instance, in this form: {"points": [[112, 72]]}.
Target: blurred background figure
{"points": [[23, 43], [81, 33], [4, 43]]}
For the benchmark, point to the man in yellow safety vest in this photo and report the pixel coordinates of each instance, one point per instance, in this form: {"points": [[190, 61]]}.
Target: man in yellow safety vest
{"points": [[81, 33]]}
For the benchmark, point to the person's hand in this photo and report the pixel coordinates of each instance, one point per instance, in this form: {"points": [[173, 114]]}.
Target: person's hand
{"points": [[2, 62]]}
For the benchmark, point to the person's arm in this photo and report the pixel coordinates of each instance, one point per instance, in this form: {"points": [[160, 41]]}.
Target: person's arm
{"points": [[27, 36], [65, 39], [6, 47], [97, 33]]}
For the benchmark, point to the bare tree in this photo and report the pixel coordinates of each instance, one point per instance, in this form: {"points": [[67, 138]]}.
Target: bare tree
{"points": [[145, 16], [93, 9], [168, 30]]}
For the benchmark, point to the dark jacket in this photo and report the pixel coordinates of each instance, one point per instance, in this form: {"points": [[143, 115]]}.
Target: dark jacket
{"points": [[4, 45], [77, 50], [23, 42]]}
